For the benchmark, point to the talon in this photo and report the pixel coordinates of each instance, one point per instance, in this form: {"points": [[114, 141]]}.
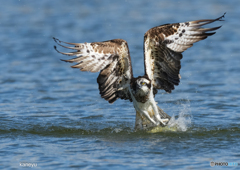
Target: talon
{"points": [[153, 121], [164, 121]]}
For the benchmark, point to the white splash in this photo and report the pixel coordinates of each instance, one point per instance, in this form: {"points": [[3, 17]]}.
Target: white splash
{"points": [[183, 122]]}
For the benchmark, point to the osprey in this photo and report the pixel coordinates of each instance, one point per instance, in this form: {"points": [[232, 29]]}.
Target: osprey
{"points": [[163, 47]]}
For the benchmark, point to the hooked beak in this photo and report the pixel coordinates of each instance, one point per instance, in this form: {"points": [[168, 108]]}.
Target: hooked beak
{"points": [[138, 86]]}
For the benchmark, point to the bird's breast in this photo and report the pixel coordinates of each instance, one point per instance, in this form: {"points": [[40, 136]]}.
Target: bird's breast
{"points": [[141, 96]]}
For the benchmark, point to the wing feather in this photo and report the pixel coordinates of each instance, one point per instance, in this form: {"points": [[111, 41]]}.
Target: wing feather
{"points": [[113, 61], [163, 46]]}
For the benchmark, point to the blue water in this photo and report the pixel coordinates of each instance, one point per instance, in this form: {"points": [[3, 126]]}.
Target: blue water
{"points": [[52, 116]]}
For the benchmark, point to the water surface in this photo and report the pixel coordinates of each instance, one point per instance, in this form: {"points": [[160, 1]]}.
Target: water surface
{"points": [[53, 116]]}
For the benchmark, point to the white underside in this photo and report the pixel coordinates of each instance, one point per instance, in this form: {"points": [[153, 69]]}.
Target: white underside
{"points": [[147, 110]]}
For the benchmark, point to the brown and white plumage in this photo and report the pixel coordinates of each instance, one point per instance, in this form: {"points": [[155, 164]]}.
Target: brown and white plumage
{"points": [[113, 61], [163, 46]]}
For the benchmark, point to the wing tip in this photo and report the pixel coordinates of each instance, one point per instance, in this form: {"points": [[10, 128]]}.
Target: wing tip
{"points": [[56, 40], [207, 21], [55, 47], [75, 66], [220, 18], [67, 61]]}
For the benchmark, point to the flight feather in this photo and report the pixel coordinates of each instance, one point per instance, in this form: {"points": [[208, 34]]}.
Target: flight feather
{"points": [[110, 58], [163, 47]]}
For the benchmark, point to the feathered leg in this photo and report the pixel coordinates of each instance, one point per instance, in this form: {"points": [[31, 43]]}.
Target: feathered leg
{"points": [[156, 110]]}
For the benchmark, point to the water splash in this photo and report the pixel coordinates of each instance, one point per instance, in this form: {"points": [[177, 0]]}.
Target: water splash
{"points": [[183, 121]]}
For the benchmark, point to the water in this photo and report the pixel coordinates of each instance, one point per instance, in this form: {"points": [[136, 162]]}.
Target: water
{"points": [[53, 117]]}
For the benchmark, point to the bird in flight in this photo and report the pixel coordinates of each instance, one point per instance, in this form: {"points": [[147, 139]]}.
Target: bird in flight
{"points": [[163, 47]]}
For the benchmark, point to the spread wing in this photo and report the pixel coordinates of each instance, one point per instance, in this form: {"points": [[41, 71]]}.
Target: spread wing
{"points": [[113, 61], [163, 46]]}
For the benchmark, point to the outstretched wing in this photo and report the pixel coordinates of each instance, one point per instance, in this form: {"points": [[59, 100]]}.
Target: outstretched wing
{"points": [[113, 61], [163, 46]]}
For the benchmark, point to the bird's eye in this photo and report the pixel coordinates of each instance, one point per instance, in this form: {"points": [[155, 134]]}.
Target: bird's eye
{"points": [[143, 83]]}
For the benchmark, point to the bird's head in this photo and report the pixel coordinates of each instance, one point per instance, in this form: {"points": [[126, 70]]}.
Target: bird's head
{"points": [[142, 86]]}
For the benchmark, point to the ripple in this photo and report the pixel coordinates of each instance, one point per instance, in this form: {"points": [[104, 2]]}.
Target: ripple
{"points": [[53, 115]]}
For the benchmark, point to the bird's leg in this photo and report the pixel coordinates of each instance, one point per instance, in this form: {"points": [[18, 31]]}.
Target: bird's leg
{"points": [[155, 110], [145, 113], [157, 115], [142, 112]]}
